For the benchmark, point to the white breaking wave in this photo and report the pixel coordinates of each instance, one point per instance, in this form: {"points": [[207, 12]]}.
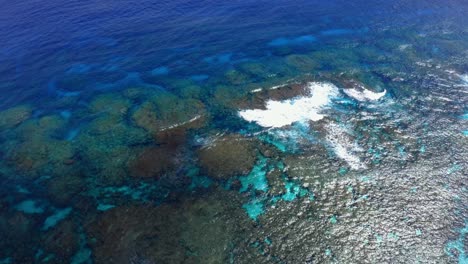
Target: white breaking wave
{"points": [[256, 90], [464, 78], [283, 113], [181, 123], [404, 46], [270, 88], [342, 145], [364, 95]]}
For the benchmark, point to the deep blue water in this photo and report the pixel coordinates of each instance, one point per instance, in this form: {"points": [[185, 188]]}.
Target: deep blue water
{"points": [[122, 138], [42, 41]]}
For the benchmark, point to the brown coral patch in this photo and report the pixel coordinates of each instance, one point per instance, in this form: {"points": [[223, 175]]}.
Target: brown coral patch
{"points": [[193, 231], [172, 138], [227, 157], [153, 162], [129, 234], [62, 240], [63, 188], [168, 111]]}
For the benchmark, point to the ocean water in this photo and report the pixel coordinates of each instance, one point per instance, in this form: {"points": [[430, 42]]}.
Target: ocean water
{"points": [[234, 131]]}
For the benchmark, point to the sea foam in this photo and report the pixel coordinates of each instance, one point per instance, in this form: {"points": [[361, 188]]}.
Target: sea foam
{"points": [[464, 78], [343, 146], [300, 109], [364, 95]]}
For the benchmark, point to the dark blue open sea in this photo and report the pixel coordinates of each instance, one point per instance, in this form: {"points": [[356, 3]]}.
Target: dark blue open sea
{"points": [[201, 131]]}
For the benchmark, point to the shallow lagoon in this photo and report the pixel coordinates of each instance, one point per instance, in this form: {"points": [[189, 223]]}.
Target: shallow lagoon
{"points": [[150, 132]]}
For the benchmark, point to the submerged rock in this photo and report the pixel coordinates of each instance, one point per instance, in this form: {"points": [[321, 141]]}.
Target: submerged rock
{"points": [[107, 145], [371, 215], [194, 231], [63, 189], [146, 117], [14, 116], [135, 234], [105, 124], [192, 91], [302, 62], [226, 97], [33, 155], [153, 162], [165, 157], [235, 77], [62, 241], [44, 127], [111, 103], [167, 111], [36, 149], [275, 182], [228, 156], [19, 237], [139, 94], [105, 162], [336, 59], [256, 70]]}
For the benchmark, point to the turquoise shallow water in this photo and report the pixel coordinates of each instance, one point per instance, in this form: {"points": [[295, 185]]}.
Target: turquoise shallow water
{"points": [[233, 132]]}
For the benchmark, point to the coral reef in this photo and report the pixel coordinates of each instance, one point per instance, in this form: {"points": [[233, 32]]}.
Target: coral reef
{"points": [[37, 151], [187, 233], [14, 116], [107, 145], [153, 162], [192, 91], [40, 157], [256, 70], [235, 77], [18, 237], [343, 204], [336, 59], [139, 93], [166, 111], [41, 128], [112, 104], [228, 156], [64, 188], [62, 241], [127, 163], [302, 63], [146, 117]]}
